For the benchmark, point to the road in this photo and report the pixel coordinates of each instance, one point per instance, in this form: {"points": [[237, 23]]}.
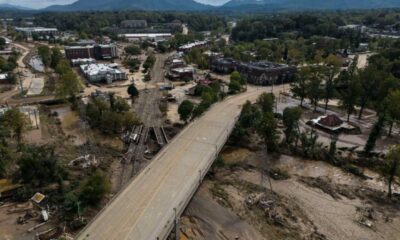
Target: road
{"points": [[144, 209]]}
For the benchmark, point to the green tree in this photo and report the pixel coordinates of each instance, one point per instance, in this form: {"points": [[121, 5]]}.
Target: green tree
{"points": [[185, 110], [94, 188], [17, 122], [250, 116], [133, 91], [349, 93], [38, 166], [68, 86], [234, 87], [266, 102], [6, 157], [45, 54], [133, 50], [63, 67], [56, 57], [314, 89], [374, 135], [393, 102], [391, 167], [330, 86], [299, 87], [267, 129], [370, 80], [291, 117]]}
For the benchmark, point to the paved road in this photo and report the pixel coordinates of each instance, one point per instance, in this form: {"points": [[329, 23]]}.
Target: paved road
{"points": [[144, 209]]}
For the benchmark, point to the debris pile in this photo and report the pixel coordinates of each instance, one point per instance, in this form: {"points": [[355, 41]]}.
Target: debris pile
{"points": [[85, 161]]}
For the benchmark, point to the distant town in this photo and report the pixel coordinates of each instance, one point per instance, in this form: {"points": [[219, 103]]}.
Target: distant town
{"points": [[194, 125]]}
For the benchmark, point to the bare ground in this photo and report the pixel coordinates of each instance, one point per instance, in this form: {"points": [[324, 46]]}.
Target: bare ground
{"points": [[317, 201]]}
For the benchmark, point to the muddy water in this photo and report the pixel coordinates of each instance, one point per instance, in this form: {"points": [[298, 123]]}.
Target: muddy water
{"points": [[70, 124]]}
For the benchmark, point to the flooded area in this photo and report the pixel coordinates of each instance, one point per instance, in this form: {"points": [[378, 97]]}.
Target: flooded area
{"points": [[71, 125], [316, 201]]}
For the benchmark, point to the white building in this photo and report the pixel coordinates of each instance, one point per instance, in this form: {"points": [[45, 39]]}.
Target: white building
{"points": [[102, 72], [40, 31], [146, 36]]}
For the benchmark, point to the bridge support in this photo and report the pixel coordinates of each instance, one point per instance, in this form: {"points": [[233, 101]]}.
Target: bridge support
{"points": [[177, 226]]}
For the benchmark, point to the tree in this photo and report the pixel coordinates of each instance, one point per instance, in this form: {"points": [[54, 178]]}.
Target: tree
{"points": [[330, 87], [391, 167], [235, 76], [267, 129], [370, 80], [39, 165], [56, 57], [45, 54], [250, 116], [393, 102], [299, 87], [132, 50], [291, 117], [266, 102], [374, 135], [314, 89], [5, 158], [17, 122], [234, 87], [93, 189], [349, 94], [68, 86], [185, 110], [132, 91], [63, 67]]}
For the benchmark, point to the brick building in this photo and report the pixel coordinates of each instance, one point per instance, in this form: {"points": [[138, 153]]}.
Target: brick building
{"points": [[98, 52], [258, 73]]}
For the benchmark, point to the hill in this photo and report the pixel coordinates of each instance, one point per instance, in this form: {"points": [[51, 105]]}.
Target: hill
{"points": [[161, 5], [265, 5]]}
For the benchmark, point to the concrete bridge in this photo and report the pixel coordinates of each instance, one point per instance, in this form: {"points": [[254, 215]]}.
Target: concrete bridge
{"points": [[147, 207]]}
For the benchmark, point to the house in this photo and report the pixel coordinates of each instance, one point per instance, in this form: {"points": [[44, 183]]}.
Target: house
{"points": [[103, 73], [332, 123]]}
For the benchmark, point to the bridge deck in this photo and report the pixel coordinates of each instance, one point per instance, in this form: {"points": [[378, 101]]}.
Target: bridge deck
{"points": [[145, 209]]}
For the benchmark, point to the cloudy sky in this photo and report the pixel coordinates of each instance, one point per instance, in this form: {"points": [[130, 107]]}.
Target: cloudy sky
{"points": [[44, 3]]}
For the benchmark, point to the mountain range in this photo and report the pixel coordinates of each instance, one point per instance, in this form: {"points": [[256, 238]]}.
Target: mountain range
{"points": [[232, 5]]}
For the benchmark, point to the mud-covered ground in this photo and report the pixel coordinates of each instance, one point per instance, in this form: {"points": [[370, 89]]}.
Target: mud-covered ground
{"points": [[309, 200]]}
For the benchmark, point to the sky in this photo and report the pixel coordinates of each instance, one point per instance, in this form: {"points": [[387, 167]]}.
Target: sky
{"points": [[36, 4]]}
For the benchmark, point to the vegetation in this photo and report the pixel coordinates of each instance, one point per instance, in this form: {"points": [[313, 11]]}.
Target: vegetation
{"points": [[132, 91], [185, 110], [391, 167], [110, 116], [94, 188], [16, 122]]}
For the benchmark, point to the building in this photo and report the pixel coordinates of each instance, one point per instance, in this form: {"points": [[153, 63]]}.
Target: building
{"points": [[29, 32], [258, 73], [155, 37], [223, 65], [102, 73], [134, 24], [82, 61], [190, 46], [266, 73], [181, 73], [332, 123], [97, 51]]}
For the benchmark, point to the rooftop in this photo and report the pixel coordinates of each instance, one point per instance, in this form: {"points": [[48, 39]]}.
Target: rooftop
{"points": [[193, 44], [95, 69]]}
